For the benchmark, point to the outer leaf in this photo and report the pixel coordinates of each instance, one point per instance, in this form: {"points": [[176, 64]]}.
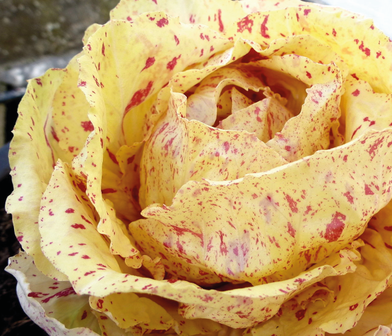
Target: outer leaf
{"points": [[53, 305], [348, 297], [129, 310], [45, 131], [279, 221], [181, 150]]}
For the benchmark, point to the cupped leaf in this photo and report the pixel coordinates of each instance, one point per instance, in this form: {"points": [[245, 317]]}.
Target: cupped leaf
{"points": [[202, 104], [300, 45], [53, 305], [65, 203], [364, 48], [188, 79], [309, 131], [263, 118], [71, 242], [276, 222], [181, 150]]}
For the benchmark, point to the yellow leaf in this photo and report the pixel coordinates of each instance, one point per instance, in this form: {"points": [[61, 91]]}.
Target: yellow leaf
{"points": [[272, 222], [181, 150]]}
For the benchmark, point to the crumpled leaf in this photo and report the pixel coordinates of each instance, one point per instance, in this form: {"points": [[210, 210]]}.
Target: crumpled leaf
{"points": [[51, 304], [181, 150], [311, 225]]}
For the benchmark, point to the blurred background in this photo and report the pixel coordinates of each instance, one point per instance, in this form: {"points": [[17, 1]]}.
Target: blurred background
{"points": [[34, 35], [39, 34]]}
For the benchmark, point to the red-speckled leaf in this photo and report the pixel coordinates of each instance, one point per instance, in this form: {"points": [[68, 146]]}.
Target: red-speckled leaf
{"points": [[264, 118], [218, 15], [307, 46], [181, 150], [202, 104], [65, 203], [38, 141], [377, 316], [309, 131], [275, 223], [53, 305], [129, 310], [67, 131], [336, 304], [264, 301], [362, 109], [365, 50], [71, 242], [123, 107], [186, 80]]}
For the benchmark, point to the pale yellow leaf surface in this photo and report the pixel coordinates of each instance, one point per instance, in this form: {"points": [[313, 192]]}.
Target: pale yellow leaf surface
{"points": [[129, 310], [322, 201], [335, 305], [71, 242], [365, 50], [251, 6], [46, 130], [239, 101], [309, 131], [67, 131], [188, 79], [307, 46], [264, 118], [202, 104], [181, 150], [363, 109], [122, 103], [218, 15], [51, 304]]}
